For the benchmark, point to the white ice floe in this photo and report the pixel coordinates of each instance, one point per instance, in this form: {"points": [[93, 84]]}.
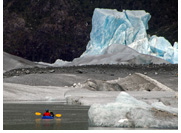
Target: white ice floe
{"points": [[127, 111]]}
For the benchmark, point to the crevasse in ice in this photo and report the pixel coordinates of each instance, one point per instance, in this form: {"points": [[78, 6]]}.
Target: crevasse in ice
{"points": [[127, 28]]}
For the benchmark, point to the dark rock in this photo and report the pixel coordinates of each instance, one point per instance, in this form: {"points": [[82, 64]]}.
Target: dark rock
{"points": [[79, 71], [112, 74]]}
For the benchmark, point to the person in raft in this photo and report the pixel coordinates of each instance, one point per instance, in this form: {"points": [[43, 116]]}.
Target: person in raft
{"points": [[47, 113]]}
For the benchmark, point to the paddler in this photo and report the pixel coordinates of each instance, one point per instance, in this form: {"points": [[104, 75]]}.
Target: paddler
{"points": [[47, 113]]}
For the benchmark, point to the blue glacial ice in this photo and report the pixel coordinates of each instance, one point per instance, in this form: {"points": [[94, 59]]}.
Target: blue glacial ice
{"points": [[127, 28], [175, 53]]}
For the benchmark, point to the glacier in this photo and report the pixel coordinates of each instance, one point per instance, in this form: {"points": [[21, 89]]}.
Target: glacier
{"points": [[129, 112], [110, 26]]}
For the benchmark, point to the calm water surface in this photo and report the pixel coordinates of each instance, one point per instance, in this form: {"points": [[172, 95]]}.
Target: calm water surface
{"points": [[22, 117]]}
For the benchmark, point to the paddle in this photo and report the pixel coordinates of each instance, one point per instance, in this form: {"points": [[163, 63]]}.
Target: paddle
{"points": [[57, 115], [37, 113]]}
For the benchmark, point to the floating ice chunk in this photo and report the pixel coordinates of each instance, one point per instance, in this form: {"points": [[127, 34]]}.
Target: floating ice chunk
{"points": [[161, 106], [127, 100], [127, 111]]}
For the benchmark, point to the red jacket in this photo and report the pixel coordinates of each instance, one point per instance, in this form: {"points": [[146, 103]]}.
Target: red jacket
{"points": [[46, 114]]}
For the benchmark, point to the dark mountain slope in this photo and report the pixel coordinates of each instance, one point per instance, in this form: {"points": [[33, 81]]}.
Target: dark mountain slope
{"points": [[41, 30]]}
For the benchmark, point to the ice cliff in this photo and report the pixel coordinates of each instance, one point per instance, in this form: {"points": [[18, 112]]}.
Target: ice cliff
{"points": [[127, 111], [127, 28]]}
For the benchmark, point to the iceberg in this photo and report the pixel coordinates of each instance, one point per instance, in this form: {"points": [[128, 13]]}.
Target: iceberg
{"points": [[141, 46], [175, 45], [129, 112], [127, 28], [57, 63], [159, 45], [175, 55], [110, 27]]}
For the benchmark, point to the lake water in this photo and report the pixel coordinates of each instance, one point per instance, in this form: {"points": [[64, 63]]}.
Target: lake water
{"points": [[22, 117], [74, 117]]}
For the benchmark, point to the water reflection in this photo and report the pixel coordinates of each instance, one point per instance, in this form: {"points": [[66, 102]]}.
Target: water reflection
{"points": [[47, 123], [38, 123], [58, 121]]}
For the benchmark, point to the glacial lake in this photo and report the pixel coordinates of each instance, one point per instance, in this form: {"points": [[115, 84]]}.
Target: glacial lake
{"points": [[22, 116]]}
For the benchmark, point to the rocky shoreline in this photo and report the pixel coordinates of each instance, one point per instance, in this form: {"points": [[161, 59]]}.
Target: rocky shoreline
{"points": [[142, 68]]}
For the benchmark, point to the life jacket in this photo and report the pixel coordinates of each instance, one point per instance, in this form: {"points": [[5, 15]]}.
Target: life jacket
{"points": [[46, 114]]}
